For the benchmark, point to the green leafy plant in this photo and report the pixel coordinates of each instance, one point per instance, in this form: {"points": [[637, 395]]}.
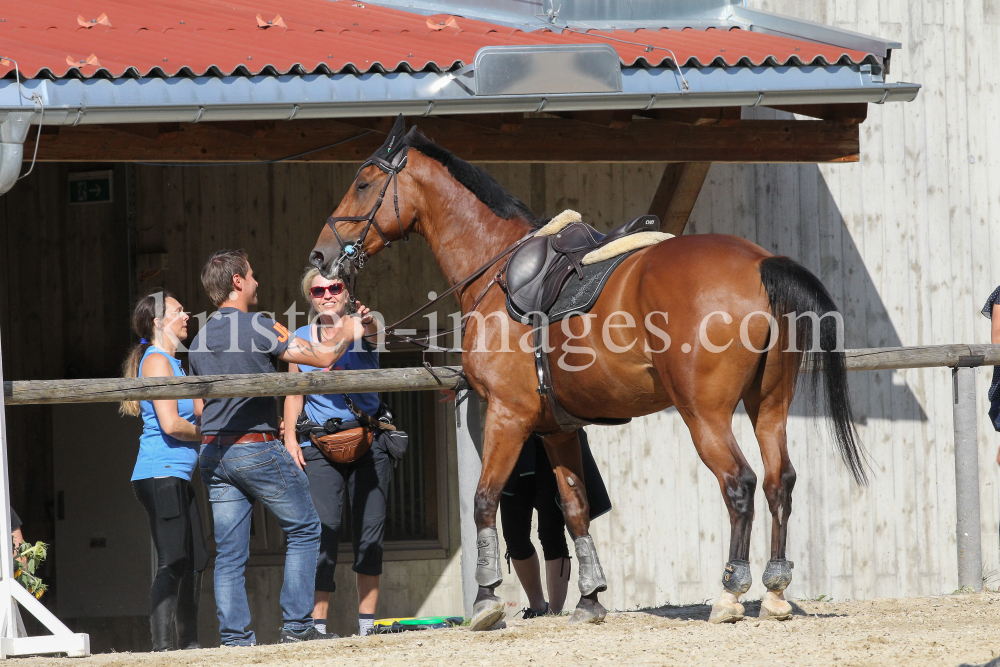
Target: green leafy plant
{"points": [[26, 563]]}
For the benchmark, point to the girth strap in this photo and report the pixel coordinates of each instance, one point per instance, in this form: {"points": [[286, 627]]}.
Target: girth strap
{"points": [[564, 420]]}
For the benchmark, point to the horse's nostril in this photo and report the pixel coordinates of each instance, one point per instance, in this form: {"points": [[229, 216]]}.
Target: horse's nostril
{"points": [[316, 259]]}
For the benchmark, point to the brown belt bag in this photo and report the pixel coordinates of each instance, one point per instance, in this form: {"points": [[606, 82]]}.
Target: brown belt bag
{"points": [[344, 446]]}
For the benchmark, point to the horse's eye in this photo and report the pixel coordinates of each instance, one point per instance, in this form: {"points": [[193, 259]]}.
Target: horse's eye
{"points": [[362, 186]]}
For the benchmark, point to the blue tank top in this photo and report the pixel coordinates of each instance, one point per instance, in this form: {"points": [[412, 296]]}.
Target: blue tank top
{"points": [[320, 407], [161, 455]]}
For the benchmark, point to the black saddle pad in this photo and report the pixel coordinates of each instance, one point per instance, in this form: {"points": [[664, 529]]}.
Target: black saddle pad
{"points": [[580, 294]]}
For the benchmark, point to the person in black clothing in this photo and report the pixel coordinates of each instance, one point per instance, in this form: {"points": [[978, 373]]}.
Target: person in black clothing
{"points": [[532, 486], [992, 311]]}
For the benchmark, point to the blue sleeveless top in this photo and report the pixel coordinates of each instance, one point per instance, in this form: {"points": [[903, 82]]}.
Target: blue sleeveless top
{"points": [[320, 407], [161, 455]]}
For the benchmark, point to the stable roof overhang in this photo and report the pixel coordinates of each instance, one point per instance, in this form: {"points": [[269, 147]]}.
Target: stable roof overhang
{"points": [[192, 61]]}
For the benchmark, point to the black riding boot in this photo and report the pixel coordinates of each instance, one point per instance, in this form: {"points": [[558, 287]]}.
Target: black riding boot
{"points": [[161, 622], [187, 611], [163, 608]]}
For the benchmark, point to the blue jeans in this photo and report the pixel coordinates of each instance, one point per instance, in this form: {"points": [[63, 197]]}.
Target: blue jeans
{"points": [[236, 477]]}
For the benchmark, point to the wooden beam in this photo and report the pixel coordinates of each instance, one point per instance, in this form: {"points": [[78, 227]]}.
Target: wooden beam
{"points": [[846, 113], [111, 390], [502, 122], [697, 115], [616, 119], [536, 140], [678, 191], [255, 129]]}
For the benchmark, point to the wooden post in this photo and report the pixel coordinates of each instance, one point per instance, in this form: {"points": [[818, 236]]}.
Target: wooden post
{"points": [[470, 467], [678, 191], [967, 527]]}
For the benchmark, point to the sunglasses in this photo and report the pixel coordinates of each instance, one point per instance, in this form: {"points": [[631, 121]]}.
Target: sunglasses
{"points": [[335, 290]]}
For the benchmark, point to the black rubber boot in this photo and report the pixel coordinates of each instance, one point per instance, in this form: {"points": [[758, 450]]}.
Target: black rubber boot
{"points": [[188, 598]]}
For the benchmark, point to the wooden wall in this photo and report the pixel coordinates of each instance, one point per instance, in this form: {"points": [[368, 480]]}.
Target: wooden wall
{"points": [[63, 314], [907, 241], [275, 213]]}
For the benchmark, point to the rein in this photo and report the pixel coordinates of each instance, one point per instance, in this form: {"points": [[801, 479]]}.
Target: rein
{"points": [[424, 341], [353, 254]]}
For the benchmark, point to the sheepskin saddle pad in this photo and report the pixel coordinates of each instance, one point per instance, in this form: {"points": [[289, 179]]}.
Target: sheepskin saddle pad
{"points": [[562, 269]]}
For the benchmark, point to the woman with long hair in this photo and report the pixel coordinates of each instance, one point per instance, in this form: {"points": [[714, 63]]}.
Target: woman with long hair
{"points": [[168, 454]]}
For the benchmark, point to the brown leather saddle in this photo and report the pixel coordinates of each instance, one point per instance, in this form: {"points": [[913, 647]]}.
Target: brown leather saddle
{"points": [[534, 277], [537, 272]]}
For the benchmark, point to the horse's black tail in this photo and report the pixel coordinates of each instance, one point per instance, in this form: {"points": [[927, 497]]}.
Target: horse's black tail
{"points": [[797, 296]]}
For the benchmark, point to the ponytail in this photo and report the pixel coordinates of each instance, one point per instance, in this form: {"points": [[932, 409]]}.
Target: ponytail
{"points": [[146, 311]]}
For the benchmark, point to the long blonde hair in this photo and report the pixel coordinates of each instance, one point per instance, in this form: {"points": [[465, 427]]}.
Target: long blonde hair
{"points": [[147, 310]]}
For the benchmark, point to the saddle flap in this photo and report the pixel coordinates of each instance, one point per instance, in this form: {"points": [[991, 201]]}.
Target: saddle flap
{"points": [[527, 262]]}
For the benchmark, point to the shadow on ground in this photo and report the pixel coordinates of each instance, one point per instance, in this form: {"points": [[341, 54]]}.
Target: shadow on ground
{"points": [[700, 612]]}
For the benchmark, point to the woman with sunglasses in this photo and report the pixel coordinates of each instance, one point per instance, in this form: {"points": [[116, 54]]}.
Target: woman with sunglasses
{"points": [[366, 479], [168, 454]]}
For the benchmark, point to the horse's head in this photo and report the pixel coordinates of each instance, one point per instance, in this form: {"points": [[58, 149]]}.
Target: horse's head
{"points": [[374, 212]]}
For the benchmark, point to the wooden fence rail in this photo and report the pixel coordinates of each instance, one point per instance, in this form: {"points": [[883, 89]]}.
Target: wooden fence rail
{"points": [[110, 390]]}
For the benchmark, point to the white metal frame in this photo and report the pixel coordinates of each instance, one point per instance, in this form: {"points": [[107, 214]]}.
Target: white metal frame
{"points": [[13, 639]]}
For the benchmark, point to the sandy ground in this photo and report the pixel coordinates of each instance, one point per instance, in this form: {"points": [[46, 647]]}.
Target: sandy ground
{"points": [[945, 630]]}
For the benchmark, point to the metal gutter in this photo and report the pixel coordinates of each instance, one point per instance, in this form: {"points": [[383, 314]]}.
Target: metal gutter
{"points": [[150, 100]]}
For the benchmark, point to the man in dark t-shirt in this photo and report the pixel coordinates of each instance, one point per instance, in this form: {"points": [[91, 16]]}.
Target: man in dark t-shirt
{"points": [[242, 460]]}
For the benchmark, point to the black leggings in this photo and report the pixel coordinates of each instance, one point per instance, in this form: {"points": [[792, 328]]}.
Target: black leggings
{"points": [[181, 556], [366, 484], [534, 491]]}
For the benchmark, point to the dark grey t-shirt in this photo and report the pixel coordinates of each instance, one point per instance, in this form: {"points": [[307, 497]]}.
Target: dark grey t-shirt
{"points": [[250, 347]]}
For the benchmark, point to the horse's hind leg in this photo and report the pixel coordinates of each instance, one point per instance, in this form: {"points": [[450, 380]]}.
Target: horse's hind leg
{"points": [[713, 438], [770, 416], [506, 431], [565, 456]]}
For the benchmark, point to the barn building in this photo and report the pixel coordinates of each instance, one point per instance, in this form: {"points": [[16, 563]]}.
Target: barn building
{"points": [[178, 128]]}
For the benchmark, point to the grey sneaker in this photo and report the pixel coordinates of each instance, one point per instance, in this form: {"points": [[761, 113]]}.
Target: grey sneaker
{"points": [[291, 637]]}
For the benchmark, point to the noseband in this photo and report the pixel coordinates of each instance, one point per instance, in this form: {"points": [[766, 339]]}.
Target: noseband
{"points": [[353, 252]]}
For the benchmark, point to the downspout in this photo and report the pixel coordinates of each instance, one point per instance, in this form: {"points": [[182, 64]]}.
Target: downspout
{"points": [[13, 132]]}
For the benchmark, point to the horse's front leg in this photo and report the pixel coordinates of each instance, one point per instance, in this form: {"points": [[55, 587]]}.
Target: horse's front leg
{"points": [[567, 464], [506, 431]]}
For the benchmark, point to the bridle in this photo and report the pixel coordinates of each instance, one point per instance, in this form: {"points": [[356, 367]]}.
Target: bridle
{"points": [[353, 252], [355, 257]]}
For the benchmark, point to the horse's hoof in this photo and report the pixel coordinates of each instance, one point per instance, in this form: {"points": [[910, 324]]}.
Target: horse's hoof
{"points": [[589, 610], [774, 607], [486, 613], [726, 612]]}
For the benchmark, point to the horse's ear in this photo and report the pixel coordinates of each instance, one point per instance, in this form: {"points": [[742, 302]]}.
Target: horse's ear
{"points": [[414, 132], [393, 142]]}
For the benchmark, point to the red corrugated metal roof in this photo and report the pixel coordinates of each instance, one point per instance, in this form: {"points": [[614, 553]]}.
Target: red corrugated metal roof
{"points": [[210, 37]]}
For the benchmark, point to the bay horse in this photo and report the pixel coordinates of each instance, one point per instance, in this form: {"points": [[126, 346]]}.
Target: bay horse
{"points": [[705, 287]]}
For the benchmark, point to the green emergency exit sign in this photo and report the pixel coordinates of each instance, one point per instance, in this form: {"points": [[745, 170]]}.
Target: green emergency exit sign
{"points": [[90, 187]]}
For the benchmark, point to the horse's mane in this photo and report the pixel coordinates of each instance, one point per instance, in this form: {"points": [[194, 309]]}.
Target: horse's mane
{"points": [[475, 180]]}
